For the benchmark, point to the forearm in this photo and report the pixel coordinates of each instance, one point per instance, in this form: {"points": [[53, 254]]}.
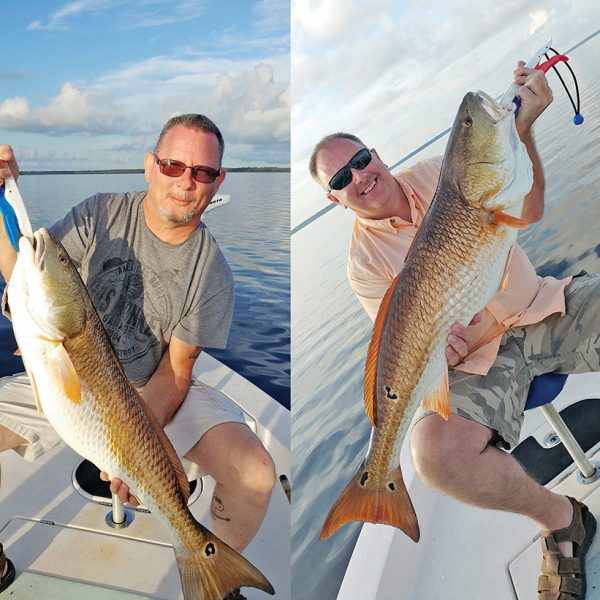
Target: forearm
{"points": [[165, 390], [533, 204]]}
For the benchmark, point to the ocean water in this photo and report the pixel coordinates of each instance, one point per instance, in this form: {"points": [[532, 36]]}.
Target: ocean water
{"points": [[253, 232], [331, 332]]}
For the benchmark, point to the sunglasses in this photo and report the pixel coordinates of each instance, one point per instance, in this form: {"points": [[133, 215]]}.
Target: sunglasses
{"points": [[174, 168], [344, 176]]}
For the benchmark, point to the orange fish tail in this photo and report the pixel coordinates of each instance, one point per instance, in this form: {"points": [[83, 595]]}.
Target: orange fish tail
{"points": [[215, 569], [386, 502]]}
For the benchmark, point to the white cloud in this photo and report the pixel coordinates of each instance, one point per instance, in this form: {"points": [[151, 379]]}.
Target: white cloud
{"points": [[250, 102], [539, 18], [127, 13], [71, 110]]}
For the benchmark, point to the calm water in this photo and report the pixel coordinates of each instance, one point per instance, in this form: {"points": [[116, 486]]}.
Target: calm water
{"points": [[331, 331], [253, 232]]}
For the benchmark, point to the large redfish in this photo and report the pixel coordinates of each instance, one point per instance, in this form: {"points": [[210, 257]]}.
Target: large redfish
{"points": [[82, 389], [454, 268]]}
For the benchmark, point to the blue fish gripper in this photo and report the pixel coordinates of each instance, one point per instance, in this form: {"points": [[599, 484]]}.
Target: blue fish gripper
{"points": [[9, 218]]}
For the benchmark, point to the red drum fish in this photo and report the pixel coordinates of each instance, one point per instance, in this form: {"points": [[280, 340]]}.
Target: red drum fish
{"points": [[456, 264]]}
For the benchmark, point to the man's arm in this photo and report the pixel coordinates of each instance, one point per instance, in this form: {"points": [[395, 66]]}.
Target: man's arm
{"points": [[164, 393], [169, 384]]}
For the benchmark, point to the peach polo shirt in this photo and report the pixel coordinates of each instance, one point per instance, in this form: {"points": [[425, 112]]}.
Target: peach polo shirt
{"points": [[377, 253]]}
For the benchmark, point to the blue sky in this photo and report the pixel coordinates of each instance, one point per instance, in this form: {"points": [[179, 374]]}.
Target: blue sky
{"points": [[394, 73], [88, 84]]}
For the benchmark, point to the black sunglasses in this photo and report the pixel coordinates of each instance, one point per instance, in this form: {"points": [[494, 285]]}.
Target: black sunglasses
{"points": [[174, 168], [344, 176]]}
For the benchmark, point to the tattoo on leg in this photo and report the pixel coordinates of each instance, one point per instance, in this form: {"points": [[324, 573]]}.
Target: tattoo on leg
{"points": [[217, 507]]}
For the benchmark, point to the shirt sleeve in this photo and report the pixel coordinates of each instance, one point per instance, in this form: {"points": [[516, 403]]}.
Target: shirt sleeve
{"points": [[370, 293], [74, 230], [208, 321]]}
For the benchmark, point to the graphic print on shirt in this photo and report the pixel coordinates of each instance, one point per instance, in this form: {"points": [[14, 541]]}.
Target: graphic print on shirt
{"points": [[132, 314]]}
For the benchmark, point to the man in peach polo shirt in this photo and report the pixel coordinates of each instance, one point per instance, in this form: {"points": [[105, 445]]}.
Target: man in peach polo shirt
{"points": [[519, 335]]}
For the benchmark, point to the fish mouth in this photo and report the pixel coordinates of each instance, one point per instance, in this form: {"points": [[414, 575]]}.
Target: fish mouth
{"points": [[38, 244], [494, 109]]}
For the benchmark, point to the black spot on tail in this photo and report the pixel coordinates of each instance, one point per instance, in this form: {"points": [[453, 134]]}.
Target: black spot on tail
{"points": [[210, 549], [390, 394], [391, 486], [364, 478]]}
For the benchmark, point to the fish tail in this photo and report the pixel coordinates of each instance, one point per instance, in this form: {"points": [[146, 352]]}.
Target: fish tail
{"points": [[374, 499], [214, 569]]}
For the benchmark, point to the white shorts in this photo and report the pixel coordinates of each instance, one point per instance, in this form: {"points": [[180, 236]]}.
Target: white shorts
{"points": [[203, 408]]}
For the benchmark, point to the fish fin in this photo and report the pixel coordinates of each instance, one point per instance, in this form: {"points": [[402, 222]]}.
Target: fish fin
{"points": [[509, 220], [438, 398], [67, 373], [215, 569], [374, 500], [173, 458], [373, 355]]}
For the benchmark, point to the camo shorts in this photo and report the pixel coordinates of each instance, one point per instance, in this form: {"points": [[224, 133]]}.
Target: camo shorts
{"points": [[569, 344]]}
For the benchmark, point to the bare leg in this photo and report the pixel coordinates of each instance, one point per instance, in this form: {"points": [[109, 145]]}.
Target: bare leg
{"points": [[245, 477], [456, 458]]}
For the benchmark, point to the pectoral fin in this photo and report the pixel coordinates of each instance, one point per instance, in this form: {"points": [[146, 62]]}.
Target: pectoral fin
{"points": [[69, 380], [509, 220], [438, 398]]}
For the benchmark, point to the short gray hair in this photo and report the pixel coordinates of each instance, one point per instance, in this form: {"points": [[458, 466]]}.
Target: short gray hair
{"points": [[196, 122], [312, 165]]}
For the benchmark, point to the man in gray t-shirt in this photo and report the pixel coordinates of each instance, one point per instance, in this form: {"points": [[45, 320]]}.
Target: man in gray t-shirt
{"points": [[164, 292]]}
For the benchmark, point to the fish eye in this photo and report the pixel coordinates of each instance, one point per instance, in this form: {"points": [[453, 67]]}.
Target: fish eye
{"points": [[467, 121], [62, 258]]}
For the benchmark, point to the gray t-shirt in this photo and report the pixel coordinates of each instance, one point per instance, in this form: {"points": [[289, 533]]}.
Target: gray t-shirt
{"points": [[146, 290]]}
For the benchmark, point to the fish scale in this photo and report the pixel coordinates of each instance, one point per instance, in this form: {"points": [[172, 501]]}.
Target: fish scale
{"points": [[453, 269]]}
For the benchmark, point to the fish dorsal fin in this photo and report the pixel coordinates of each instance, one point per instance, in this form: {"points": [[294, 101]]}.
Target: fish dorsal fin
{"points": [[373, 355], [438, 398], [63, 367], [171, 454], [509, 220]]}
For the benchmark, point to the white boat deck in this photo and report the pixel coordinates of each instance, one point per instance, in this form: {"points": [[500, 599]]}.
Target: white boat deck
{"points": [[465, 552], [63, 549]]}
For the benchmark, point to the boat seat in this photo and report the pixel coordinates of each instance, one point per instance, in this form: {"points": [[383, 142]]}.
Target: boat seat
{"points": [[542, 391]]}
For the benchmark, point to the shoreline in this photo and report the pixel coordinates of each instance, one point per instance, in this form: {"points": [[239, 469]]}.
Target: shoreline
{"points": [[141, 171]]}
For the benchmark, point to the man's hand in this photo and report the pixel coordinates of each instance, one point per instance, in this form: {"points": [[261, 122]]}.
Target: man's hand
{"points": [[459, 341], [120, 489], [8, 164], [535, 95]]}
